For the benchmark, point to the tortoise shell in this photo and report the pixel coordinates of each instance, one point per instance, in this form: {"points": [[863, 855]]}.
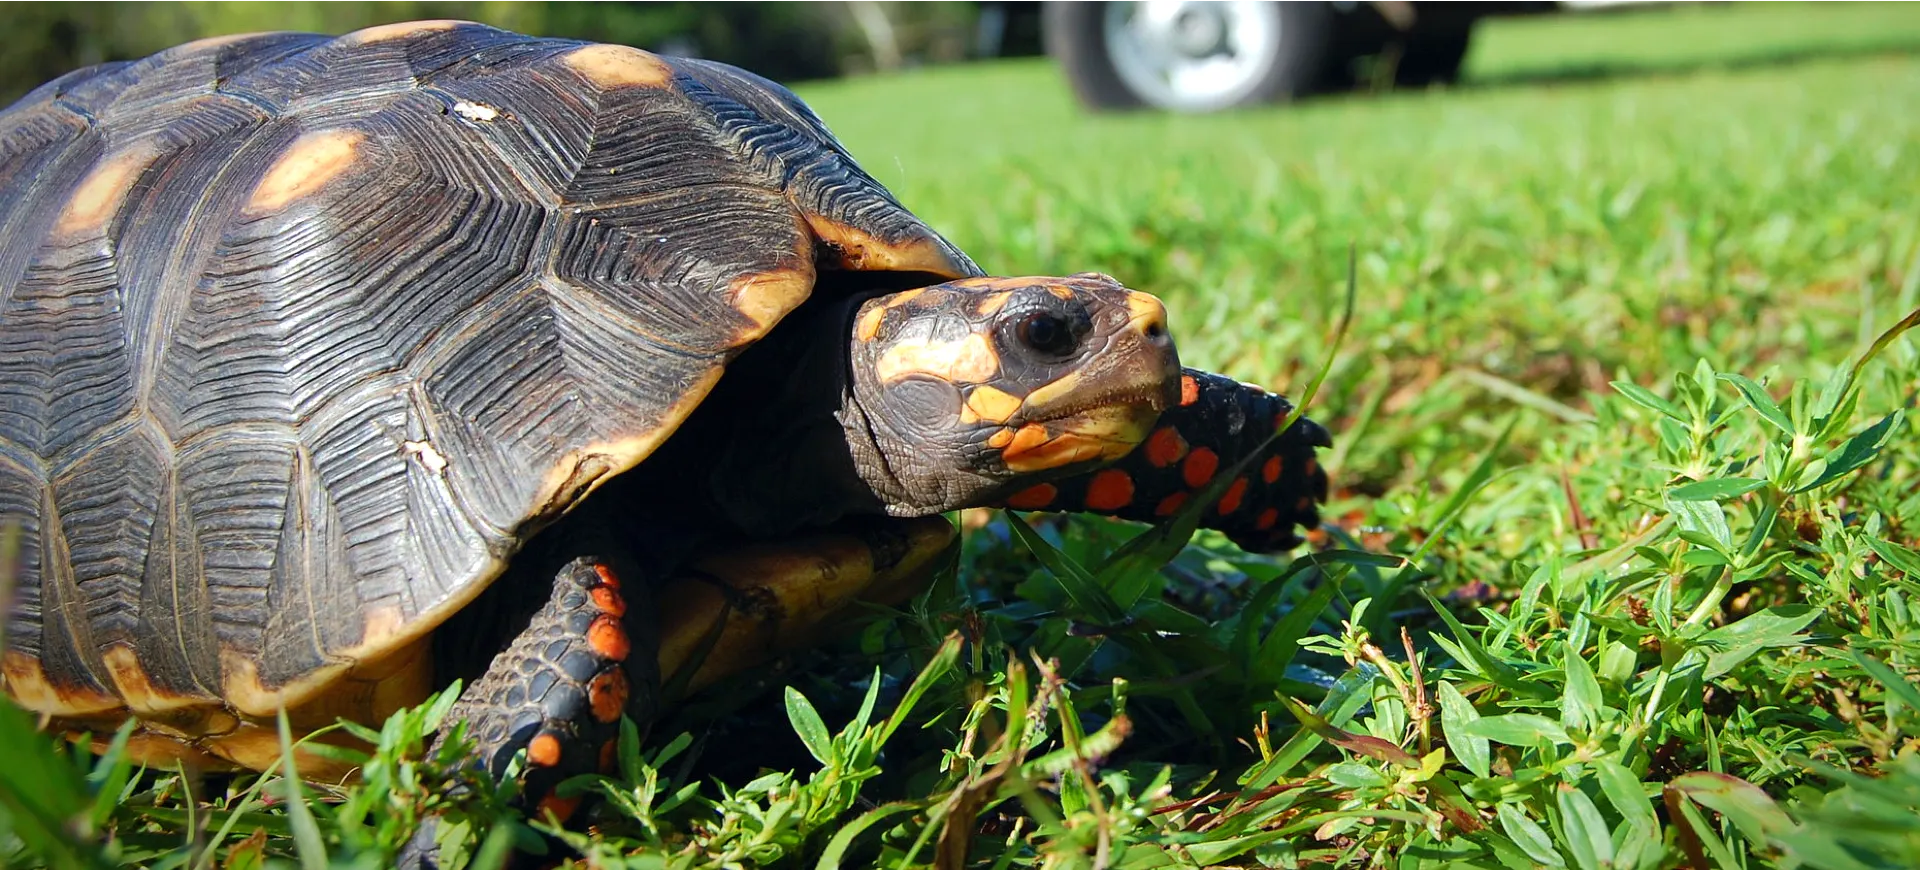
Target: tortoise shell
{"points": [[301, 337]]}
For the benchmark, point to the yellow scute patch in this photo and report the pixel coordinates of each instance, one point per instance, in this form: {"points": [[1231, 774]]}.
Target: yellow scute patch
{"points": [[765, 297], [131, 681], [862, 251], [104, 190], [28, 685], [400, 30], [618, 66], [304, 167]]}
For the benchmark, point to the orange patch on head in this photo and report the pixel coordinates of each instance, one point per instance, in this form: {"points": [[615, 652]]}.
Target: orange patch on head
{"points": [[1110, 490], [607, 695], [607, 577], [1000, 439], [561, 807], [1033, 498], [1267, 519], [608, 601], [1270, 471], [1199, 467], [608, 639], [544, 751], [1230, 502], [1165, 447], [1030, 436], [1170, 505], [1189, 390]]}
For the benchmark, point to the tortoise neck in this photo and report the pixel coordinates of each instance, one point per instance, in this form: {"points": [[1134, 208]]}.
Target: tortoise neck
{"points": [[784, 460]]}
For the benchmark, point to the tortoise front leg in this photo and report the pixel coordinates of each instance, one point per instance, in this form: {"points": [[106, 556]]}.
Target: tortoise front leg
{"points": [[559, 688]]}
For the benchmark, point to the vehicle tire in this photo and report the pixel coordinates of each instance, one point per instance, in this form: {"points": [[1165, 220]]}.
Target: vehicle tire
{"points": [[1188, 57], [1432, 59]]}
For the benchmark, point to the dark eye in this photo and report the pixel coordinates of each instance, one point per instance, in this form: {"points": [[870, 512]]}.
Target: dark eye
{"points": [[1047, 333]]}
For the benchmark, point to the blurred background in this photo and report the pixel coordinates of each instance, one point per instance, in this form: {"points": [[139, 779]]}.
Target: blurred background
{"points": [[1190, 56]]}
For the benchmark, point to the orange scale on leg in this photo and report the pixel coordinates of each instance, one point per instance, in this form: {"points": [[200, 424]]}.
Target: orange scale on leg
{"points": [[607, 695], [1270, 470], [1165, 447], [1033, 498], [608, 639], [1230, 501], [1267, 519], [1110, 490], [1170, 505], [543, 750], [1199, 467]]}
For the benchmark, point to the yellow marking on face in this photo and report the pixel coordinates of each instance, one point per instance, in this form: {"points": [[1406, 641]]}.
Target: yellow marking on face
{"points": [[991, 404], [861, 251], [1000, 439], [618, 66], [103, 192], [399, 30], [992, 304], [27, 684], [1049, 395], [1144, 309], [1061, 291], [304, 167], [766, 297], [130, 679], [970, 360]]}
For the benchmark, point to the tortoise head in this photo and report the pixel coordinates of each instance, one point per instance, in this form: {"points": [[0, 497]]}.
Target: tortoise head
{"points": [[962, 392]]}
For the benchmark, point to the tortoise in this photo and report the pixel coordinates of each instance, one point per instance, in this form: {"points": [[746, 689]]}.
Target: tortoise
{"points": [[334, 369]]}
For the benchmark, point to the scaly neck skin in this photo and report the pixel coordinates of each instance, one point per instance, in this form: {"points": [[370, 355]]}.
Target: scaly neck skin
{"points": [[785, 461]]}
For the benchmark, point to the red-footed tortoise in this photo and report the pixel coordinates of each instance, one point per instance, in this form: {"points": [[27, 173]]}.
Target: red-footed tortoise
{"points": [[328, 366]]}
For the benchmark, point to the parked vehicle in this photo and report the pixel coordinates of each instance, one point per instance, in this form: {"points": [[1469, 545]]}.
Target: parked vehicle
{"points": [[1207, 55]]}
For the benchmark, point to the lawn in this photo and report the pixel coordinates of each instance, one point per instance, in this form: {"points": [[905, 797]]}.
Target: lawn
{"points": [[1621, 567]]}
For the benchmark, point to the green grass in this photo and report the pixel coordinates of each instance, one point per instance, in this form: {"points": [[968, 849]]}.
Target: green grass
{"points": [[1623, 572]]}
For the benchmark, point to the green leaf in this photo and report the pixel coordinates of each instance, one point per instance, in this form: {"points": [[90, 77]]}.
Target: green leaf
{"points": [[836, 849], [1581, 708], [1455, 714], [1741, 802], [1480, 476], [1092, 600], [1757, 399], [1716, 489], [807, 723], [1518, 729], [1704, 518], [1645, 398], [1896, 685], [1529, 836], [1902, 558], [1733, 644], [1857, 451], [306, 832], [1627, 795], [1585, 832]]}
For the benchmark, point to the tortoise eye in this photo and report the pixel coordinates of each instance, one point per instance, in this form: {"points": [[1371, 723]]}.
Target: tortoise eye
{"points": [[1047, 332]]}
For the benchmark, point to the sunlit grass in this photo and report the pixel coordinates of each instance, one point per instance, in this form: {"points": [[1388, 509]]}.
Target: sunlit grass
{"points": [[1599, 456]]}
